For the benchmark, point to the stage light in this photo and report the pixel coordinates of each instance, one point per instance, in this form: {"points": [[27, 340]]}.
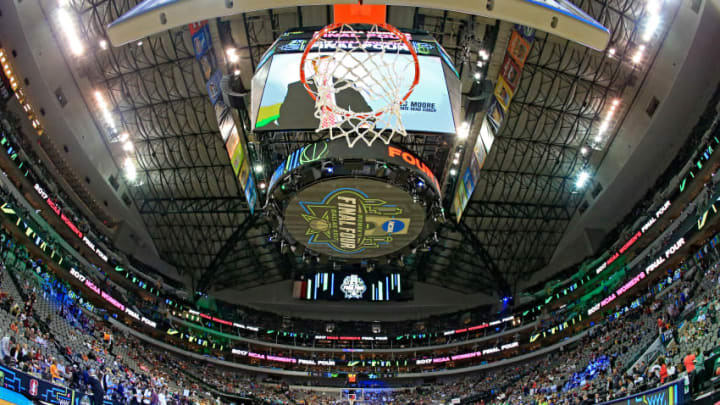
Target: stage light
{"points": [[139, 43], [453, 172], [237, 72], [103, 44], [420, 184], [67, 24], [611, 51], [477, 75], [258, 168], [262, 185], [582, 178], [456, 161], [124, 137], [584, 150], [457, 154], [128, 146]]}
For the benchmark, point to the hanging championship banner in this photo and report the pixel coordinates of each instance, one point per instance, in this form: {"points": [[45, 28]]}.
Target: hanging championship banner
{"points": [[507, 83], [234, 144]]}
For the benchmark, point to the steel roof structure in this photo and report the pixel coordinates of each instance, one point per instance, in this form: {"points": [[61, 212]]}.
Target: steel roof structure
{"points": [[195, 211]]}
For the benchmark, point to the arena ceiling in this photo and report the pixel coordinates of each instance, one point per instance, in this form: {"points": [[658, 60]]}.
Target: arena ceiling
{"points": [[195, 211]]}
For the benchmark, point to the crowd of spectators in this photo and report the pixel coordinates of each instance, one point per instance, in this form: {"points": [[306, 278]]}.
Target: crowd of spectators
{"points": [[592, 370], [94, 358], [49, 331]]}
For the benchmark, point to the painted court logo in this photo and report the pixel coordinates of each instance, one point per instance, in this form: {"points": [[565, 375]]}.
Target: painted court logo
{"points": [[348, 221], [353, 287]]}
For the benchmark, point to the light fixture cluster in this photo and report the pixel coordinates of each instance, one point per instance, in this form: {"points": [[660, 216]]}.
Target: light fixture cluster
{"points": [[105, 111], [19, 94], [462, 133], [455, 163], [582, 179], [652, 19], [650, 24], [232, 55], [584, 176], [259, 169], [649, 27], [67, 23], [483, 57], [605, 123], [123, 138], [69, 28]]}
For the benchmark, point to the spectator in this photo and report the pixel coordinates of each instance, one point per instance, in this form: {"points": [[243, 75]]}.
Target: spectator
{"points": [[5, 343], [699, 361], [689, 362], [97, 390], [54, 371], [663, 370]]}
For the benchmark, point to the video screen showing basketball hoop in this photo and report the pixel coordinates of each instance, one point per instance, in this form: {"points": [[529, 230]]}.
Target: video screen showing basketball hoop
{"points": [[280, 101]]}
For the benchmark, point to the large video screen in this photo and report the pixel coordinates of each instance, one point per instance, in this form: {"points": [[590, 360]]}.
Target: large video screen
{"points": [[286, 105], [349, 286]]}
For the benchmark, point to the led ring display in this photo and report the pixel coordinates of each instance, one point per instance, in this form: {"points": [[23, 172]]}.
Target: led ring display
{"points": [[353, 203]]}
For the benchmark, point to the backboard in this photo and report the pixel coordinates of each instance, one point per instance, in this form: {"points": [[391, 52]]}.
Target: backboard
{"points": [[558, 17]]}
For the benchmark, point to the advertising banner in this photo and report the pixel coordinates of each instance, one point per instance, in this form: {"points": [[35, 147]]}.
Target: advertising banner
{"points": [[669, 394], [510, 72], [213, 87], [236, 160], [232, 142]]}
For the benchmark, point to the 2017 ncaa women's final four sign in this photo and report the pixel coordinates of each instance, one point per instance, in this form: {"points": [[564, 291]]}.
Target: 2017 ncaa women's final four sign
{"points": [[356, 217], [353, 203]]}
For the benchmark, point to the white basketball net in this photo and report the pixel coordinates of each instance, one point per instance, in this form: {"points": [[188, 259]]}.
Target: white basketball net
{"points": [[365, 63]]}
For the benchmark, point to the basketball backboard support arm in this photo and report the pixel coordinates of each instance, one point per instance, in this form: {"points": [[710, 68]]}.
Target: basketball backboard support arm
{"points": [[558, 17]]}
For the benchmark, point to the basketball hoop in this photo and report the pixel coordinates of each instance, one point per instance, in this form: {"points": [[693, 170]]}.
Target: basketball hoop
{"points": [[372, 71]]}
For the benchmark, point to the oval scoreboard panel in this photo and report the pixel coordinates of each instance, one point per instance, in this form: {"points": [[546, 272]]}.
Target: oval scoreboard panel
{"points": [[354, 218]]}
